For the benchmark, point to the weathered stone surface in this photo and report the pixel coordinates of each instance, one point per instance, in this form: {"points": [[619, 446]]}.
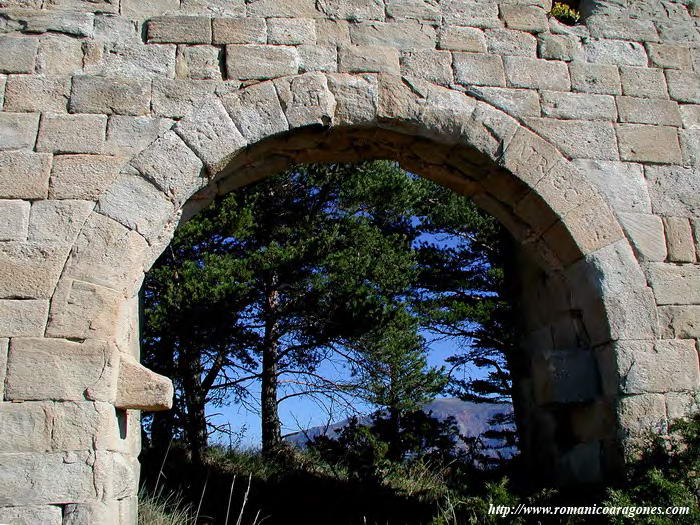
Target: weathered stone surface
{"points": [[184, 174], [72, 133], [81, 310], [256, 111], [537, 74], [646, 233], [675, 284], [17, 54], [138, 9], [669, 56], [679, 239], [639, 414], [18, 130], [674, 191], [114, 27], [24, 175], [30, 270], [129, 59], [690, 115], [26, 427], [14, 220], [282, 8], [643, 82], [199, 62], [68, 22], [136, 203], [306, 100], [433, 66], [130, 135], [141, 389], [176, 98], [108, 254], [648, 111], [407, 35], [456, 38], [525, 18], [352, 9], [291, 31], [57, 369], [83, 425], [559, 47], [368, 59], [510, 42], [27, 515], [317, 58], [664, 366], [254, 62], [424, 10], [578, 138], [595, 78], [619, 52], [60, 477], [23, 318], [25, 93], [356, 98], [680, 322], [622, 28], [578, 106], [240, 31], [106, 95], [180, 30], [214, 7], [478, 69], [516, 102], [94, 6], [683, 86], [655, 144], [82, 176], [466, 13], [681, 404], [332, 32]]}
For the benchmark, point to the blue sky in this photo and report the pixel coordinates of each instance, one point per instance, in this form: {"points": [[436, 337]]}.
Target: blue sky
{"points": [[303, 412]]}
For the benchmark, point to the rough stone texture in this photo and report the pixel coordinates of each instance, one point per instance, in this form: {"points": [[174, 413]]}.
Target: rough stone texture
{"points": [[649, 144], [27, 515], [679, 239], [72, 133], [121, 118], [106, 96], [34, 94], [23, 318], [14, 220]]}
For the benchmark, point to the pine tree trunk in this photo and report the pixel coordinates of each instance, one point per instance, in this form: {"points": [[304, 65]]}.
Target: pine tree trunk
{"points": [[195, 421], [271, 428]]}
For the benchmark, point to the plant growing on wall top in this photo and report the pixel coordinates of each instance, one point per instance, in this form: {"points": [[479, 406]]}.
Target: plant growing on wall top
{"points": [[565, 14]]}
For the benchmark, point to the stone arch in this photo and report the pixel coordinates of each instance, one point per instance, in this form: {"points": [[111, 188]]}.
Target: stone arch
{"points": [[573, 248]]}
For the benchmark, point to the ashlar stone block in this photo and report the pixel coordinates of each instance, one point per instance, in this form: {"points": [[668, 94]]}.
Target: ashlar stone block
{"points": [[642, 143], [25, 93], [683, 86], [433, 66], [291, 31], [535, 73], [44, 514], [18, 130], [509, 42], [30, 270], [39, 369], [254, 62], [595, 78], [457, 38], [256, 111], [247, 30], [22, 318], [72, 133], [649, 111], [172, 166], [198, 62], [108, 95], [619, 52], [368, 59], [405, 35], [212, 135], [578, 106], [306, 100], [180, 30], [643, 82], [674, 190], [675, 283], [82, 176], [680, 322], [478, 69], [679, 239], [24, 174], [578, 138], [14, 220], [646, 233], [18, 54], [664, 366]]}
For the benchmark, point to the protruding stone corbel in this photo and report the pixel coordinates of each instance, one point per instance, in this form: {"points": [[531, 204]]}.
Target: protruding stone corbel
{"points": [[142, 389]]}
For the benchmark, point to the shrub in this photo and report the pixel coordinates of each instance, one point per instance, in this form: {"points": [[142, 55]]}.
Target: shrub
{"points": [[565, 14]]}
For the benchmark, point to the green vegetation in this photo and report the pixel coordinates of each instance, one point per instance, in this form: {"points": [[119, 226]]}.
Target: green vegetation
{"points": [[565, 13], [357, 487]]}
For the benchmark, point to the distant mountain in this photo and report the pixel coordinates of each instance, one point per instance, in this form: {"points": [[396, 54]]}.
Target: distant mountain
{"points": [[472, 419]]}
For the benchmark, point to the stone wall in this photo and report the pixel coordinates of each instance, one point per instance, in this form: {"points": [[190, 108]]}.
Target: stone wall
{"points": [[120, 118]]}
